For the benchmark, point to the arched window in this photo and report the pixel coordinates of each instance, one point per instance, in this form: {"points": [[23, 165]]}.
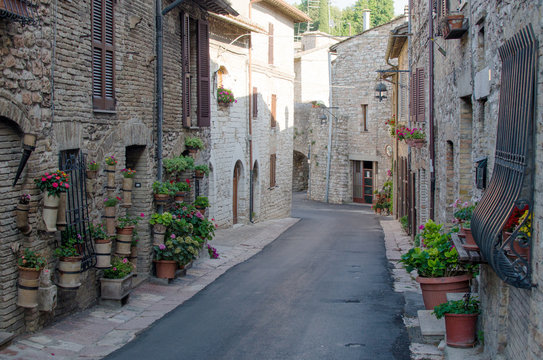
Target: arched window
{"points": [[221, 73]]}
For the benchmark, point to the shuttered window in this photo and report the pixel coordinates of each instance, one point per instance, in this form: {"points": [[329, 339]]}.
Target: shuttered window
{"points": [[255, 102], [273, 164], [417, 109], [103, 55], [185, 68], [273, 111], [270, 44], [204, 98]]}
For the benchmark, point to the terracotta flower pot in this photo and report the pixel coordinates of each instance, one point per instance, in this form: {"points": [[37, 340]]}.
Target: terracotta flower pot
{"points": [[127, 192], [69, 269], [434, 290], [124, 240], [523, 251], [61, 215], [470, 244], [165, 269], [21, 218], [50, 211], [110, 220], [110, 171], [460, 329], [27, 287], [199, 174], [103, 253], [162, 198], [159, 231], [455, 21], [180, 196]]}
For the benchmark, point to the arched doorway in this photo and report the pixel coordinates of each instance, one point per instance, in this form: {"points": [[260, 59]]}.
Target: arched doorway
{"points": [[235, 191], [300, 171], [255, 196]]}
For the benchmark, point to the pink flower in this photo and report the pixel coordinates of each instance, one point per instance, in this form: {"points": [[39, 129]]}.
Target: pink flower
{"points": [[199, 215], [58, 178], [142, 215], [49, 176], [421, 227], [162, 246], [55, 185], [125, 261], [188, 181], [114, 269], [43, 179], [46, 174], [66, 185], [172, 236]]}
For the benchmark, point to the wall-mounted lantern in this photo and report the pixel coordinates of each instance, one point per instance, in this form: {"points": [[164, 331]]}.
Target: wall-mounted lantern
{"points": [[380, 91]]}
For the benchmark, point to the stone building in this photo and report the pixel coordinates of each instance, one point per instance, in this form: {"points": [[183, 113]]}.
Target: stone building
{"points": [[81, 79], [468, 98], [360, 151]]}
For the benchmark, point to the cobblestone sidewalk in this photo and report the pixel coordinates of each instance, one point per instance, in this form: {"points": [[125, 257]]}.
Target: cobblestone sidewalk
{"points": [[98, 331], [398, 243]]}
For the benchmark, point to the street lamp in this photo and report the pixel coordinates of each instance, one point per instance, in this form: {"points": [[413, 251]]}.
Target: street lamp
{"points": [[380, 91]]}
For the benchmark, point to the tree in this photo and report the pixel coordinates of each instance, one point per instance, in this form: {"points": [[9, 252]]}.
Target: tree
{"points": [[323, 16], [381, 11]]}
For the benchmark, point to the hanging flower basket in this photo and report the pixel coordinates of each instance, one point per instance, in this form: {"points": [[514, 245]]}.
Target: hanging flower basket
{"points": [[225, 96]]}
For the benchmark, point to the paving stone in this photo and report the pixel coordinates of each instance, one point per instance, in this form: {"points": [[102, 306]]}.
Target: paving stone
{"points": [[425, 352]]}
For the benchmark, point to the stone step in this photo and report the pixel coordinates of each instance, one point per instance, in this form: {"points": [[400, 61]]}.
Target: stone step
{"points": [[430, 325], [5, 338]]}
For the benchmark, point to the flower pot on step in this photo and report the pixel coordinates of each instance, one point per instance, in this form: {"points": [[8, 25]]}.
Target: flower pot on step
{"points": [[115, 289], [50, 211], [124, 240], [27, 287], [21, 218], [165, 269], [69, 269], [110, 220], [159, 231], [460, 329], [61, 215], [103, 253], [434, 290], [127, 192]]}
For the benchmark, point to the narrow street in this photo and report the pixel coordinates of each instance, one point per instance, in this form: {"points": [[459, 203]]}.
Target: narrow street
{"points": [[322, 290]]}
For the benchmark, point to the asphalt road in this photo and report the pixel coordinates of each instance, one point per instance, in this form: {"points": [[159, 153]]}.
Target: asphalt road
{"points": [[322, 290]]}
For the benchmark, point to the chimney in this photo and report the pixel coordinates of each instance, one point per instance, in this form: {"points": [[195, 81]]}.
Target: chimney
{"points": [[406, 10], [366, 18]]}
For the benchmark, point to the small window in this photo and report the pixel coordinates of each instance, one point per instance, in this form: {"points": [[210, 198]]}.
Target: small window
{"points": [[255, 102], [274, 111], [364, 117], [273, 164]]}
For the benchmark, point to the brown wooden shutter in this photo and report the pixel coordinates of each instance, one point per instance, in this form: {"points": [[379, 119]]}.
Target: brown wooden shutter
{"points": [[273, 111], [255, 102], [185, 68], [273, 164], [421, 104], [413, 97], [270, 44], [103, 55], [204, 96]]}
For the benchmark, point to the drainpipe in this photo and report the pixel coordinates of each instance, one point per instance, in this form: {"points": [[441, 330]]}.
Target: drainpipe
{"points": [[431, 107], [251, 170], [159, 86], [329, 158]]}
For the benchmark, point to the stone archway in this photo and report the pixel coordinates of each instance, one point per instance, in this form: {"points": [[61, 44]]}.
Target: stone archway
{"points": [[300, 171], [236, 190]]}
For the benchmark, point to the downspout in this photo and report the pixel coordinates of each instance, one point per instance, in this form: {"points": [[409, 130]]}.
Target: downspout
{"points": [[159, 86], [329, 158], [431, 107], [251, 170]]}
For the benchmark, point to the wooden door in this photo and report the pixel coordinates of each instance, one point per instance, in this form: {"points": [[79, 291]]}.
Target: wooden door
{"points": [[235, 182], [363, 182], [358, 184]]}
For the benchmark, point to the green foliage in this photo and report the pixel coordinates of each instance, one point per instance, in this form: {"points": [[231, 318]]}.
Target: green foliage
{"points": [[201, 202], [463, 211], [97, 231], [119, 268], [194, 143], [30, 259], [181, 186], [405, 222], [468, 305], [202, 228], [110, 202], [165, 219], [93, 166], [203, 168], [69, 240], [323, 16], [181, 249], [164, 188], [127, 221], [177, 165]]}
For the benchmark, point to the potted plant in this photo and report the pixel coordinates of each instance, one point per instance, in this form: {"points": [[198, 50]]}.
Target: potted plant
{"points": [[180, 190], [69, 265], [102, 246], [436, 262], [116, 282], [30, 265], [160, 222], [111, 163], [454, 20], [520, 246], [128, 182], [109, 206], [162, 191], [462, 214], [201, 202], [92, 170], [125, 231], [212, 252], [201, 170], [414, 137], [460, 320], [317, 104], [225, 96], [177, 165], [52, 184], [21, 214]]}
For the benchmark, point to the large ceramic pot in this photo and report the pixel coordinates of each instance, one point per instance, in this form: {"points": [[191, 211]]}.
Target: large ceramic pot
{"points": [[124, 240], [460, 329], [50, 211], [127, 192], [159, 231], [27, 287], [61, 215], [103, 253], [115, 289], [110, 220], [69, 269], [434, 290], [110, 171], [165, 269], [21, 218]]}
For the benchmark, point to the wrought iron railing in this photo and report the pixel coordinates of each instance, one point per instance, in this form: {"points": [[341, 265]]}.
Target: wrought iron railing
{"points": [[23, 11], [511, 183]]}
